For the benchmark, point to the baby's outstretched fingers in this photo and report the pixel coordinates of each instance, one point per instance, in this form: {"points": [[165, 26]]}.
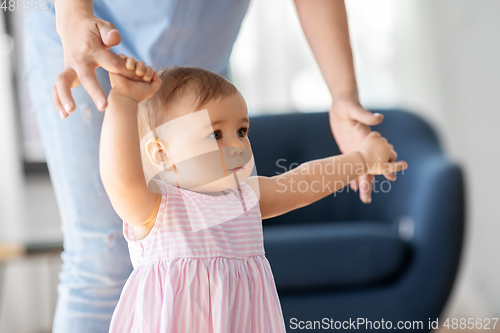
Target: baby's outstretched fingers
{"points": [[123, 56], [130, 63], [390, 176], [398, 166]]}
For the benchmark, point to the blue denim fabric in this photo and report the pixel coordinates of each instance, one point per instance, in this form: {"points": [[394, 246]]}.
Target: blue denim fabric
{"points": [[96, 262]]}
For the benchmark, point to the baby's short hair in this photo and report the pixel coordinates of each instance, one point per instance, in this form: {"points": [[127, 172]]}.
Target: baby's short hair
{"points": [[175, 81]]}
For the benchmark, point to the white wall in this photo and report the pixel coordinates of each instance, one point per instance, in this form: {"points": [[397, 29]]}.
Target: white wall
{"points": [[449, 69], [12, 190]]}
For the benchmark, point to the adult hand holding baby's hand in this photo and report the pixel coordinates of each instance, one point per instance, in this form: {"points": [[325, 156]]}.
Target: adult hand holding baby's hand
{"points": [[86, 41], [379, 155], [350, 123], [135, 90]]}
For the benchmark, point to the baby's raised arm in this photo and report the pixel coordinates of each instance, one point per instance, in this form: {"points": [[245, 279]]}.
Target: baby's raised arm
{"points": [[120, 163], [316, 179]]}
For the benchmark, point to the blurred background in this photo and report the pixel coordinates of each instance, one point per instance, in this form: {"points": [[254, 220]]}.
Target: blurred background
{"points": [[437, 58]]}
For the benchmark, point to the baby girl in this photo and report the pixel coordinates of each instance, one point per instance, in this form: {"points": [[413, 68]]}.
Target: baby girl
{"points": [[177, 165]]}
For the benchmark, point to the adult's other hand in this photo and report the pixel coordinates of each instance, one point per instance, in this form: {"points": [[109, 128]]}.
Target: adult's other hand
{"points": [[86, 41], [350, 124]]}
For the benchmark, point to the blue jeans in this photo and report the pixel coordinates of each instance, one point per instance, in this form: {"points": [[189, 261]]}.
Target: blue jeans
{"points": [[96, 262]]}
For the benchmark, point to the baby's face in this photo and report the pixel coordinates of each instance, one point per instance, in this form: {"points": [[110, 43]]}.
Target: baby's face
{"points": [[210, 147]]}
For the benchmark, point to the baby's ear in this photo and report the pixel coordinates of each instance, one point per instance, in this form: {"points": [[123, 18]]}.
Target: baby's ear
{"points": [[157, 153]]}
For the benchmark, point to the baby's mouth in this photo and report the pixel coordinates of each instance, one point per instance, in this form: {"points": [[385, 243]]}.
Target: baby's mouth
{"points": [[235, 169]]}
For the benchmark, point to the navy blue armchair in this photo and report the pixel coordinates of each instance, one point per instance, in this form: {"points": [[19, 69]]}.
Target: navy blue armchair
{"points": [[338, 259]]}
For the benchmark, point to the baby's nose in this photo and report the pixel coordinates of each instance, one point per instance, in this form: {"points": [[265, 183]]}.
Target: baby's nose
{"points": [[235, 150]]}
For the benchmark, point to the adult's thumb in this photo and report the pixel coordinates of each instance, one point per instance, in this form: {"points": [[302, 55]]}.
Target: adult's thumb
{"points": [[365, 117], [109, 35]]}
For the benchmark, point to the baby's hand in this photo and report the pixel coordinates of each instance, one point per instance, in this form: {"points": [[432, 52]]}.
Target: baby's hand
{"points": [[379, 155], [136, 90]]}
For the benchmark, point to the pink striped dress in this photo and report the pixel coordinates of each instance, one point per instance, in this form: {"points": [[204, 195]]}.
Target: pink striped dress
{"points": [[202, 268]]}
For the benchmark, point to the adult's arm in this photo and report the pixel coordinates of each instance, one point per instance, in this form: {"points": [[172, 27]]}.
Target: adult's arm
{"points": [[86, 41], [325, 26]]}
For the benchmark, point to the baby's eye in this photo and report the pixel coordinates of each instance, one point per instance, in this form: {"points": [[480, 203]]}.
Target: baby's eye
{"points": [[242, 131], [215, 135]]}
